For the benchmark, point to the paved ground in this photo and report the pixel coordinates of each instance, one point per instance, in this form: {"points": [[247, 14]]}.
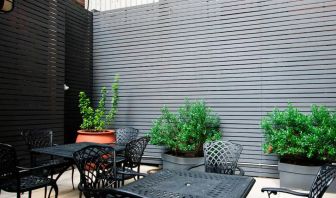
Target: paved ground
{"points": [[66, 191]]}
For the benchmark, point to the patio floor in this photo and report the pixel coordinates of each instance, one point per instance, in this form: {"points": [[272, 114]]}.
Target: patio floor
{"points": [[66, 191]]}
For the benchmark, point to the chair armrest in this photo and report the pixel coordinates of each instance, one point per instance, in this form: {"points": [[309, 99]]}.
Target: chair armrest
{"points": [[241, 171], [29, 170], [283, 190], [195, 166], [135, 174]]}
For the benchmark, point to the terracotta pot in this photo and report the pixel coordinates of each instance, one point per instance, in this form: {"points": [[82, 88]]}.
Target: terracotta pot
{"points": [[104, 137]]}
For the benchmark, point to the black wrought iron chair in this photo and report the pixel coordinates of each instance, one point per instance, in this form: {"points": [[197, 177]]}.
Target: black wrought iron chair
{"points": [[20, 179], [96, 168], [125, 135], [37, 138], [133, 154], [323, 179], [221, 157]]}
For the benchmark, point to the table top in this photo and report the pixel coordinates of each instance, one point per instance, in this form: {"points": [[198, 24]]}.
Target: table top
{"points": [[67, 150], [182, 183]]}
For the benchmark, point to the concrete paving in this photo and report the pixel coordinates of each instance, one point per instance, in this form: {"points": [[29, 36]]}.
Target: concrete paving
{"points": [[66, 191]]}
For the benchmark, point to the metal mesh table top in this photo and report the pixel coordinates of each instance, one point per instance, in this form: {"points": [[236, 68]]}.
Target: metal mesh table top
{"points": [[67, 150], [191, 184]]}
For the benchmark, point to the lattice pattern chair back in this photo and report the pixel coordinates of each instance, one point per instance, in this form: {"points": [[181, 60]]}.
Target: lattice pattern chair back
{"points": [[7, 163], [134, 151], [322, 181], [221, 156], [125, 135], [95, 165], [37, 138], [20, 179]]}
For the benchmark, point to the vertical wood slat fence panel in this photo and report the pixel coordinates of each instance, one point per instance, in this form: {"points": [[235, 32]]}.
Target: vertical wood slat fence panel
{"points": [[44, 45], [78, 64], [32, 70], [243, 58]]}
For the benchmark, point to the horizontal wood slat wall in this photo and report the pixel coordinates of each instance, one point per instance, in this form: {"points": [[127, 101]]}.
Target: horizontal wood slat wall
{"points": [[32, 70], [78, 64], [242, 57]]}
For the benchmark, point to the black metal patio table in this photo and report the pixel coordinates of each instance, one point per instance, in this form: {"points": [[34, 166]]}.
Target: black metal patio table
{"points": [[67, 150], [191, 184]]}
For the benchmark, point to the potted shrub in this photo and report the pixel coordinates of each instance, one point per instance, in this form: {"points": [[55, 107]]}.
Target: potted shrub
{"points": [[95, 120], [303, 142], [184, 133]]}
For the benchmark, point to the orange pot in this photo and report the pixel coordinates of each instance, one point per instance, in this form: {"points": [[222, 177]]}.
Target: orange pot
{"points": [[103, 137]]}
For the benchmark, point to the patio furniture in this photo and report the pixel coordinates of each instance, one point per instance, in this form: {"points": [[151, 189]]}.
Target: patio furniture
{"points": [[119, 193], [183, 183], [37, 138], [323, 179], [67, 150], [20, 179], [95, 168], [221, 157], [125, 135], [133, 154]]}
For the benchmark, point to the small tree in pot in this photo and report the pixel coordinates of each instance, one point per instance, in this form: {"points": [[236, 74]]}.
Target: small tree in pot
{"points": [[301, 139], [184, 133], [96, 120]]}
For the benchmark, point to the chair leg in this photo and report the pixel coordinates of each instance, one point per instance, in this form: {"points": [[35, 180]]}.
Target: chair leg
{"points": [[45, 192], [122, 180], [138, 176], [18, 194], [29, 194], [54, 185], [72, 176]]}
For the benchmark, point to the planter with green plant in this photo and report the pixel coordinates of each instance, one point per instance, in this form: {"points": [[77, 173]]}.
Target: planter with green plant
{"points": [[303, 142], [184, 133], [95, 120]]}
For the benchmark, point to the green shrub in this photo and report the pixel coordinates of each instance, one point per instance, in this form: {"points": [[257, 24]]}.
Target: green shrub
{"points": [[301, 138], [95, 119], [185, 132]]}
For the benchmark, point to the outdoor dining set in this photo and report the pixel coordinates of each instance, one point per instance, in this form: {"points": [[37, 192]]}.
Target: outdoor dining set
{"points": [[104, 168]]}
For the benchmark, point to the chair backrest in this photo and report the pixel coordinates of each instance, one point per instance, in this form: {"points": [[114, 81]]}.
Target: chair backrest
{"points": [[323, 179], [125, 135], [37, 138], [221, 156], [8, 163], [95, 165], [134, 151]]}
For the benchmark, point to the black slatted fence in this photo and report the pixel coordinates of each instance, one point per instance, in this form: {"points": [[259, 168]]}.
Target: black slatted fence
{"points": [[78, 64], [39, 50]]}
